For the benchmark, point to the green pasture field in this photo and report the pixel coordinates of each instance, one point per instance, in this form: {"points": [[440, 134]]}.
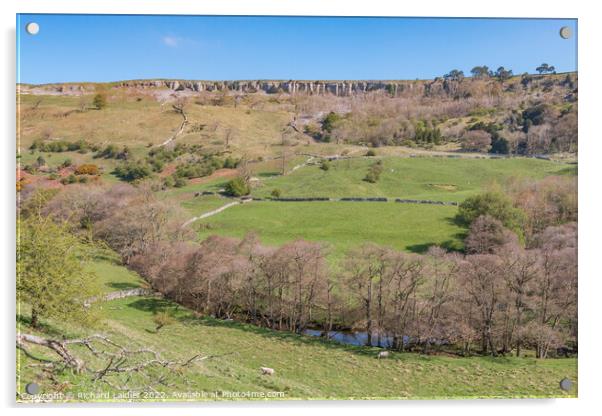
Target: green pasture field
{"points": [[343, 225], [435, 178]]}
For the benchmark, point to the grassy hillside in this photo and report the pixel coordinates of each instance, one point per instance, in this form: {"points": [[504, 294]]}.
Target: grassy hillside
{"points": [[126, 121], [123, 122], [305, 367]]}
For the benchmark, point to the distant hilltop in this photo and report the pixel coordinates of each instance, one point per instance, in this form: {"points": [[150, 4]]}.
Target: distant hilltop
{"points": [[337, 88]]}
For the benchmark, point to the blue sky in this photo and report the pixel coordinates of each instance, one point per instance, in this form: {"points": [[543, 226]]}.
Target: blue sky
{"points": [[111, 47]]}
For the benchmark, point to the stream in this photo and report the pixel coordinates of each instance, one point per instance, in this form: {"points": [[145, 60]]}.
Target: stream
{"points": [[357, 338]]}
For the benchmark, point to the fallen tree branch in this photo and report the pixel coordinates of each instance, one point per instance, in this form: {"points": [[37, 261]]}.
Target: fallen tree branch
{"points": [[119, 359], [57, 346]]}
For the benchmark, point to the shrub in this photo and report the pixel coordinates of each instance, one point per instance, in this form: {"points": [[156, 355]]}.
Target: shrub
{"points": [[374, 172], [370, 153], [132, 171], [535, 115], [313, 130], [113, 152], [325, 165], [230, 163], [30, 169], [482, 111], [80, 145], [162, 319], [69, 179], [40, 161], [426, 134], [156, 165], [100, 101], [58, 146], [276, 193], [238, 187], [169, 182], [371, 177], [180, 182], [196, 169], [87, 169]]}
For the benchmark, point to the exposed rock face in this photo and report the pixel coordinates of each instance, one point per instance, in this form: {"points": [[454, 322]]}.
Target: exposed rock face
{"points": [[338, 88], [438, 87]]}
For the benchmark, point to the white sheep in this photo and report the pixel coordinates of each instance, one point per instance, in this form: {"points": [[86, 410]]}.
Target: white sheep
{"points": [[266, 371], [383, 354]]}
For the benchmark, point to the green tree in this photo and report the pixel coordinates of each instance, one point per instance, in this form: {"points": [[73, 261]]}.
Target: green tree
{"points": [[374, 172], [494, 204], [454, 75], [40, 161], [480, 72], [499, 145], [238, 187], [51, 271], [133, 171], [100, 101], [329, 123], [545, 69], [503, 74]]}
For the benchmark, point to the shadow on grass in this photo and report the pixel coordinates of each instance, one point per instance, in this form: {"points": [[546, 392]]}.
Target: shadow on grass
{"points": [[569, 170], [123, 285], [153, 304], [102, 254], [448, 245], [43, 327], [185, 316], [281, 335], [268, 174]]}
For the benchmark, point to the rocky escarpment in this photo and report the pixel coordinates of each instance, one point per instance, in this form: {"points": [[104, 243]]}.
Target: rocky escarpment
{"points": [[397, 88], [436, 87], [338, 88]]}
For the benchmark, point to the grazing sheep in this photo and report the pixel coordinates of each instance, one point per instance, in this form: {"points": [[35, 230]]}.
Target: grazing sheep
{"points": [[383, 354], [266, 371]]}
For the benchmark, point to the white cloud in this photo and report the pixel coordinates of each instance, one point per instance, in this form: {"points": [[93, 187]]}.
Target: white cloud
{"points": [[171, 41]]}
